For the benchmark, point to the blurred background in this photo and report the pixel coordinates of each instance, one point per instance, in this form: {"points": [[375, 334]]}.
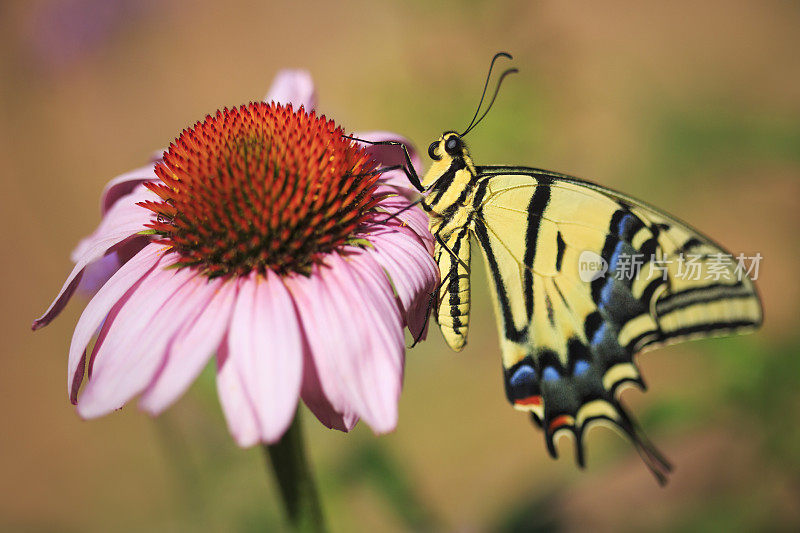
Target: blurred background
{"points": [[692, 106]]}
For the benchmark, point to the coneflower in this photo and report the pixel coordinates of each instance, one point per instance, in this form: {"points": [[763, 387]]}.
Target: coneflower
{"points": [[265, 237]]}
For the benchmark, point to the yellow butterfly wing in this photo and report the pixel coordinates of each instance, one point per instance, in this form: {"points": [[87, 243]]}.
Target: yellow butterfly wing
{"points": [[569, 335]]}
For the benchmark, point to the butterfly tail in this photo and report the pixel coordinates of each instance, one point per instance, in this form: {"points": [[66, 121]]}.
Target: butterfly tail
{"points": [[651, 456]]}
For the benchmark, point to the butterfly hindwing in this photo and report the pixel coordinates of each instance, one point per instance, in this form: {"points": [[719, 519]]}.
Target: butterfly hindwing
{"points": [[568, 342]]}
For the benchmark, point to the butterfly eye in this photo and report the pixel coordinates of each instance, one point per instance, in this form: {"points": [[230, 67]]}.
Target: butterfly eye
{"points": [[432, 151], [452, 145]]}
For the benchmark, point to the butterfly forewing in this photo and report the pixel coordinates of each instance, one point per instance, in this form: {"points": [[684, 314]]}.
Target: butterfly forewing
{"points": [[569, 342]]}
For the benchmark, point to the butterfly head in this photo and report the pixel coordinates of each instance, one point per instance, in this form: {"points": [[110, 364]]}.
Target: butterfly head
{"points": [[450, 146], [447, 152]]}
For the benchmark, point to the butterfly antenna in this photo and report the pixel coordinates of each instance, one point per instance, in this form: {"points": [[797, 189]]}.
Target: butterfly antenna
{"points": [[486, 86], [489, 107]]}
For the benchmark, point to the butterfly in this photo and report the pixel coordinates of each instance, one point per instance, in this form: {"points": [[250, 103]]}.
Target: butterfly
{"points": [[583, 278]]}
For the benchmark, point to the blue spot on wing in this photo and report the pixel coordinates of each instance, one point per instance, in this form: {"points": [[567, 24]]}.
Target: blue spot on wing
{"points": [[624, 223], [550, 374], [581, 367], [597, 338], [606, 293], [612, 264], [523, 375]]}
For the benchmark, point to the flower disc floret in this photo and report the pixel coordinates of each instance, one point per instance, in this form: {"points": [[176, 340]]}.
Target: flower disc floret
{"points": [[261, 187]]}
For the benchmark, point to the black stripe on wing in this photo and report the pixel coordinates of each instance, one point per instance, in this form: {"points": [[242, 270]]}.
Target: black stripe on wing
{"points": [[538, 204], [510, 331]]}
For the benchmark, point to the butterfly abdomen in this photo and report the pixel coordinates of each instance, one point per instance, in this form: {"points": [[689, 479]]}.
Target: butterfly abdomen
{"points": [[453, 258]]}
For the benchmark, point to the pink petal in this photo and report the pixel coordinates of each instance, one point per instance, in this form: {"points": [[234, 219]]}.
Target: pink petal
{"points": [[134, 343], [123, 214], [192, 348], [239, 412], [414, 218], [294, 87], [97, 273], [58, 305], [354, 330], [384, 377], [130, 247], [265, 346], [327, 332], [388, 155], [413, 272], [394, 181], [124, 184], [115, 228], [99, 306], [316, 401]]}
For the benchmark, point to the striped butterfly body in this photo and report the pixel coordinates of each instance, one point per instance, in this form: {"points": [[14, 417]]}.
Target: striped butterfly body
{"points": [[568, 339]]}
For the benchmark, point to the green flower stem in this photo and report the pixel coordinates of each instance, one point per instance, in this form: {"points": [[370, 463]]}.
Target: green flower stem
{"points": [[295, 480]]}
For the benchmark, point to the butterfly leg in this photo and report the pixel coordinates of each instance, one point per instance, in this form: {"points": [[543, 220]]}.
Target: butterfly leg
{"points": [[407, 168], [397, 214], [433, 297], [451, 252]]}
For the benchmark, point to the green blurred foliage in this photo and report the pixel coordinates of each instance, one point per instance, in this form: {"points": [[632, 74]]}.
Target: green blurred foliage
{"points": [[761, 383], [725, 137]]}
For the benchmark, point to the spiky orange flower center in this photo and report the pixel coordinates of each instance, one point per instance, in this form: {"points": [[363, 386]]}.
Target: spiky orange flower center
{"points": [[261, 187]]}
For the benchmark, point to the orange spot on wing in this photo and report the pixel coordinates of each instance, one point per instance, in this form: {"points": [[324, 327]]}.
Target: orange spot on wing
{"points": [[530, 400], [561, 420]]}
